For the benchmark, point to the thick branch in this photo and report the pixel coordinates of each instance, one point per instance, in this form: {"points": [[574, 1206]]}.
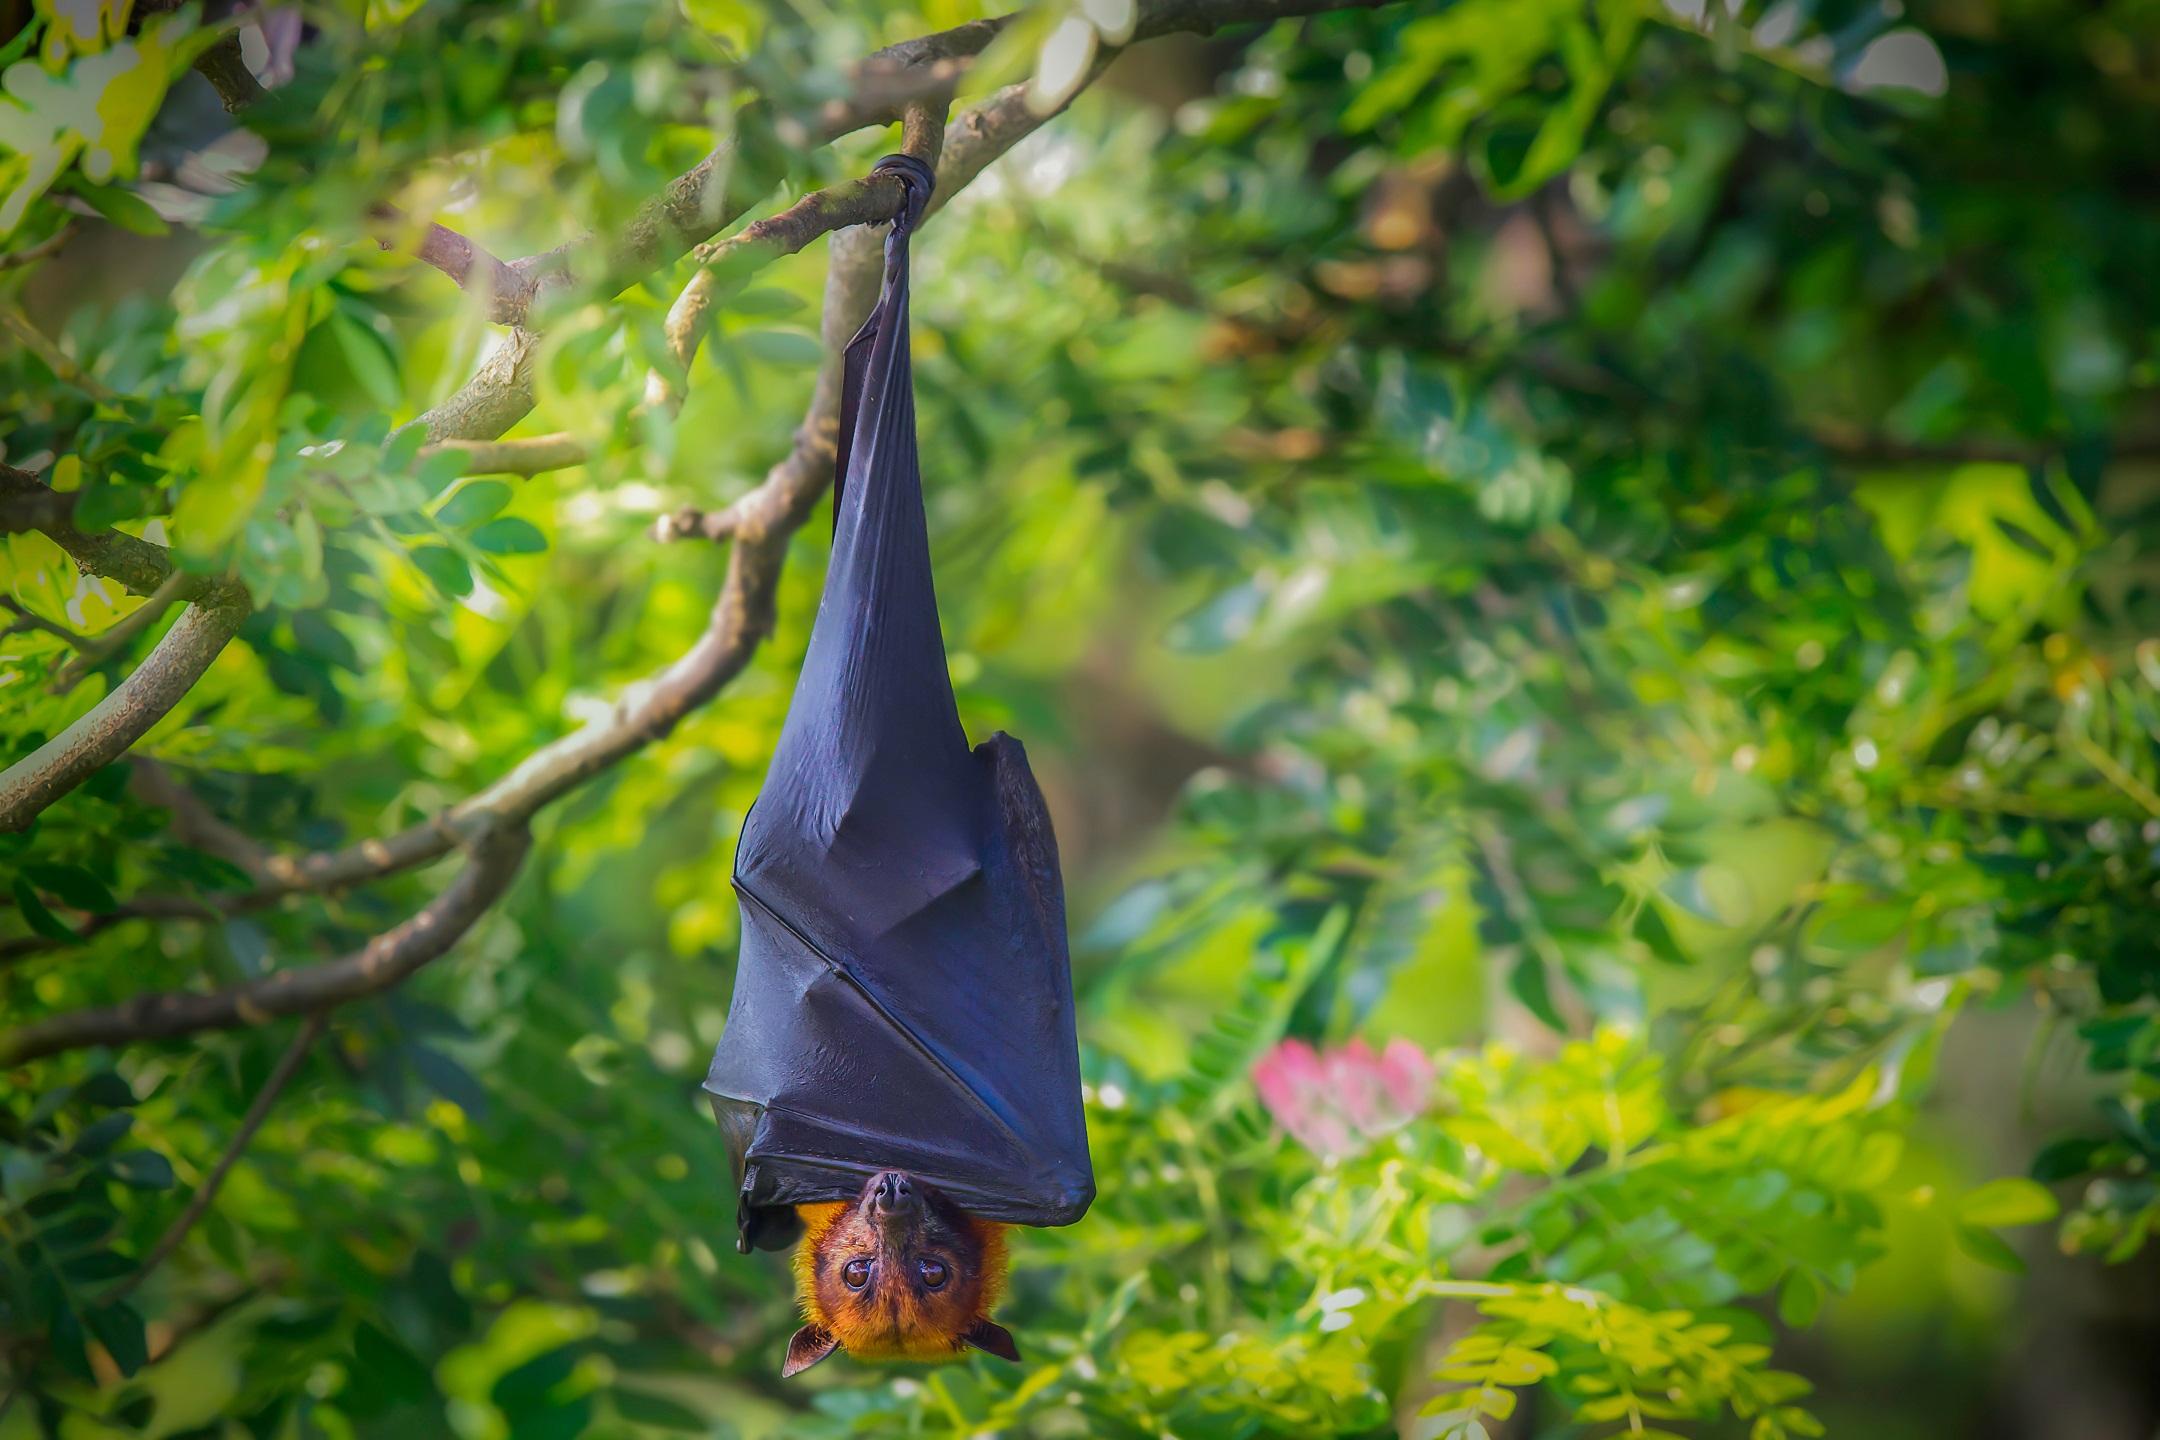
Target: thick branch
{"points": [[288, 1065], [104, 734], [509, 290], [492, 401], [27, 503], [528, 455], [226, 70], [384, 962]]}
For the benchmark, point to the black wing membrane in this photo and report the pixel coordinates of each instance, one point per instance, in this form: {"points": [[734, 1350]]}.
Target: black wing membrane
{"points": [[903, 997]]}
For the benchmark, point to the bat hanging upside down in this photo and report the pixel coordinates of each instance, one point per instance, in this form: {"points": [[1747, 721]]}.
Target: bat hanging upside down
{"points": [[900, 1274]]}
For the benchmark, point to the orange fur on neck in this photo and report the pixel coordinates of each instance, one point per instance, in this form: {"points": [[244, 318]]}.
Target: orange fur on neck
{"points": [[922, 1336]]}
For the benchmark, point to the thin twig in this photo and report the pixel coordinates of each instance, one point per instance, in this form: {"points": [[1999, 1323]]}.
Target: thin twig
{"points": [[193, 823], [687, 522], [381, 964], [96, 650], [58, 361], [44, 250], [140, 907], [27, 619], [287, 1066], [2117, 775]]}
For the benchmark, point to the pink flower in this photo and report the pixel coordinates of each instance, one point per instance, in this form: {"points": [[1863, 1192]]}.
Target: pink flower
{"points": [[1337, 1102]]}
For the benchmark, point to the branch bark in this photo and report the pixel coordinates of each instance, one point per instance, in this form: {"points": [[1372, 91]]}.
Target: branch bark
{"points": [[44, 250], [527, 455], [104, 734], [95, 650], [27, 503], [385, 961], [510, 290]]}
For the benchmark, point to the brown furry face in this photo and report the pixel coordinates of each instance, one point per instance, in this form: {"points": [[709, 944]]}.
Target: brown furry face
{"points": [[900, 1273]]}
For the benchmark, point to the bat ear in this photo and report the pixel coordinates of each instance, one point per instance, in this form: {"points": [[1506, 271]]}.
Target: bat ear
{"points": [[811, 1344], [992, 1338]]}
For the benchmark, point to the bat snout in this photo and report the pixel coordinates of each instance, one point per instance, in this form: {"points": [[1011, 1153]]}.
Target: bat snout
{"points": [[892, 1193]]}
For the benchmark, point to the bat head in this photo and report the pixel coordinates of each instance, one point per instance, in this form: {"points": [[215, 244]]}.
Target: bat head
{"points": [[901, 1273]]}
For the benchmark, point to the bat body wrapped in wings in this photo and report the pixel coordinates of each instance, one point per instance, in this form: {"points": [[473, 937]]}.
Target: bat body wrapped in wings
{"points": [[903, 1004]]}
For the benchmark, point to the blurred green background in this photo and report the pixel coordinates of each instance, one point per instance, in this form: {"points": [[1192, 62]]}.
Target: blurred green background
{"points": [[1613, 542]]}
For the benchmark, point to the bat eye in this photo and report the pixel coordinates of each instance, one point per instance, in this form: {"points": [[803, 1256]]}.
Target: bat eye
{"points": [[934, 1274], [856, 1273]]}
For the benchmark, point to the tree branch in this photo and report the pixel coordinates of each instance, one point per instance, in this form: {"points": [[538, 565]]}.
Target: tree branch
{"points": [[528, 455], [95, 650], [44, 250], [56, 360], [725, 266], [509, 290], [104, 734], [226, 69], [288, 1065], [384, 962], [193, 823], [28, 503], [762, 522], [140, 907], [28, 619]]}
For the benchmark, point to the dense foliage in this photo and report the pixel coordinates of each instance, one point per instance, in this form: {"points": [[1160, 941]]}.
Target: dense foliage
{"points": [[1629, 525]]}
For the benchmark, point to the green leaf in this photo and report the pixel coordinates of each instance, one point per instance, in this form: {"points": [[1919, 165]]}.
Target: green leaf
{"points": [[40, 919], [472, 503], [205, 871], [510, 535], [1529, 984], [2066, 1159], [144, 1170], [73, 885], [765, 301], [102, 1135], [438, 470], [120, 1330], [2012, 1200], [369, 359], [98, 506], [1988, 1248], [780, 347], [69, 1345], [445, 569], [106, 1090], [644, 1408], [1799, 1300], [123, 207], [385, 1364]]}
